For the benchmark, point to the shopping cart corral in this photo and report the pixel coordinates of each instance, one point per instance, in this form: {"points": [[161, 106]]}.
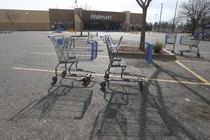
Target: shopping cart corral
{"points": [[192, 42], [116, 62], [70, 51]]}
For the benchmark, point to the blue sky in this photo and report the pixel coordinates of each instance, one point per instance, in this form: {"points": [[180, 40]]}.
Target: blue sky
{"points": [[153, 13]]}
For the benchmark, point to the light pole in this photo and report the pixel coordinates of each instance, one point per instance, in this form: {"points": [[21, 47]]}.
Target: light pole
{"points": [[155, 25], [26, 20], [155, 17], [174, 16], [75, 2], [160, 17]]}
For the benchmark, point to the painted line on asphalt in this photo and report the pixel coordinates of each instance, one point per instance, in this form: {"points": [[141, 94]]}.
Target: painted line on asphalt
{"points": [[40, 53], [191, 61], [205, 52], [158, 80], [32, 69], [192, 72], [180, 82]]}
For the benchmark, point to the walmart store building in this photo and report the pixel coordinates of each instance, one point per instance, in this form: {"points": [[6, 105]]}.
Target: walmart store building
{"points": [[74, 19]]}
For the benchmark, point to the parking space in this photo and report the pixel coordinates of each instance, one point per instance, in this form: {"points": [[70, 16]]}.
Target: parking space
{"points": [[174, 104]]}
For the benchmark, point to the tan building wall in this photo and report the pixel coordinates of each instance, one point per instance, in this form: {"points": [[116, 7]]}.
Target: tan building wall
{"points": [[64, 17], [25, 19], [136, 20], [68, 19]]}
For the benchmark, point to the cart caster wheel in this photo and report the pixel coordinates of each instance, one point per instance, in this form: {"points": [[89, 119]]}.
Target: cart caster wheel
{"points": [[103, 89], [54, 79], [103, 84], [63, 74], [86, 80], [198, 55], [172, 51], [141, 85], [106, 76], [53, 83]]}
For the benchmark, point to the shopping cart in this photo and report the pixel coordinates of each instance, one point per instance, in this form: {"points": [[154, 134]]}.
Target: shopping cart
{"points": [[170, 38], [70, 51], [116, 62], [192, 42], [113, 42]]}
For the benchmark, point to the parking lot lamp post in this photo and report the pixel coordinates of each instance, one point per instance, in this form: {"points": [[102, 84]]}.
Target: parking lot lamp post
{"points": [[26, 20]]}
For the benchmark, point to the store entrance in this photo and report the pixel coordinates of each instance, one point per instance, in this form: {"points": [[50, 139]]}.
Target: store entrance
{"points": [[102, 26], [115, 26], [94, 26]]}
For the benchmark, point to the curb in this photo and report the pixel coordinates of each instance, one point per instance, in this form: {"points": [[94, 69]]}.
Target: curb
{"points": [[155, 56]]}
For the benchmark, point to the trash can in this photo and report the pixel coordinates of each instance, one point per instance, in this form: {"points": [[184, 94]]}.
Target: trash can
{"points": [[149, 48], [197, 35], [60, 30]]}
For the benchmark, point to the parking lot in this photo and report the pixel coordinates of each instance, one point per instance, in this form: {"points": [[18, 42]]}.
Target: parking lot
{"points": [[174, 104]]}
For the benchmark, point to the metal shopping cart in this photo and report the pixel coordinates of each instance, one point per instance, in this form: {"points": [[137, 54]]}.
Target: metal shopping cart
{"points": [[113, 42], [70, 51], [192, 42], [116, 62], [170, 38]]}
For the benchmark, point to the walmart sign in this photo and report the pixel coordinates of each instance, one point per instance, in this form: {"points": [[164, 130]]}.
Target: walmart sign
{"points": [[101, 17]]}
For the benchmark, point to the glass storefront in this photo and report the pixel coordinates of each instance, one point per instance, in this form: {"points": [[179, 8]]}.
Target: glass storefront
{"points": [[101, 26]]}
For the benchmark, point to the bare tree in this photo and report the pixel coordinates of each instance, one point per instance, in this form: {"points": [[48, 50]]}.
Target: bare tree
{"points": [[173, 23], [195, 10], [12, 17], [205, 12], [78, 12], [144, 4]]}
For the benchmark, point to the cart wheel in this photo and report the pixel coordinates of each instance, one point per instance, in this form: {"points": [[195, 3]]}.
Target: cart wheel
{"points": [[103, 89], [172, 51], [106, 76], [141, 85], [53, 83], [103, 84], [86, 80], [63, 74], [198, 55], [55, 79]]}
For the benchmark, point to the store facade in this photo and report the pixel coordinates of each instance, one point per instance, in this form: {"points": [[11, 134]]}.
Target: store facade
{"points": [[79, 19], [70, 19]]}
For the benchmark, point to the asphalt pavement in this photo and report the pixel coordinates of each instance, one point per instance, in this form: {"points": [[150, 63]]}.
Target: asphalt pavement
{"points": [[174, 104]]}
